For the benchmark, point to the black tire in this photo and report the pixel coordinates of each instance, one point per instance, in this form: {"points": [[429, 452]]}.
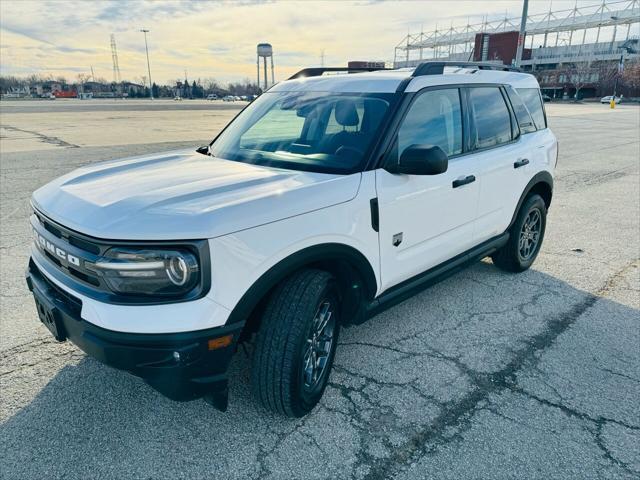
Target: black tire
{"points": [[514, 257], [285, 344]]}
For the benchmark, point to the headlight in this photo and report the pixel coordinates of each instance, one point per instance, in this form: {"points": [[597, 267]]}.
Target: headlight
{"points": [[149, 271]]}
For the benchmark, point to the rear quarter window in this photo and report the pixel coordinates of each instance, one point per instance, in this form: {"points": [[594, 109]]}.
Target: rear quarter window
{"points": [[522, 113], [532, 99]]}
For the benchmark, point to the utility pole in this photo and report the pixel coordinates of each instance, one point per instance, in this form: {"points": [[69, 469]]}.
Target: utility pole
{"points": [[523, 28], [146, 47], [114, 57], [322, 58]]}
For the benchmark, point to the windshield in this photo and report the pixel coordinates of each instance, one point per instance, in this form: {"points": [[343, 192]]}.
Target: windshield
{"points": [[315, 131]]}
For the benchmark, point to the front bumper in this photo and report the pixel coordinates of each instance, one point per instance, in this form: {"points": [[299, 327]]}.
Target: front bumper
{"points": [[182, 366]]}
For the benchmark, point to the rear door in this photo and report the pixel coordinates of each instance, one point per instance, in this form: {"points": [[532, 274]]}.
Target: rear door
{"points": [[543, 143], [425, 220], [498, 152]]}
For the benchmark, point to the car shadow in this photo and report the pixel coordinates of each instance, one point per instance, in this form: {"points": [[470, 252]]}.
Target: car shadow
{"points": [[93, 421]]}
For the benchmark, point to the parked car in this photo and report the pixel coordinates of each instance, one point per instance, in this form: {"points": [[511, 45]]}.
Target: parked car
{"points": [[608, 98], [228, 98], [177, 98], [212, 96], [325, 201]]}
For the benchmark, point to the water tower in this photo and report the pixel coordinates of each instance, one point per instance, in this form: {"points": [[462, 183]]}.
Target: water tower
{"points": [[265, 50]]}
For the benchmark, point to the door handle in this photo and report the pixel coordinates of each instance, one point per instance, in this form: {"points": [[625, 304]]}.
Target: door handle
{"points": [[521, 163], [464, 181]]}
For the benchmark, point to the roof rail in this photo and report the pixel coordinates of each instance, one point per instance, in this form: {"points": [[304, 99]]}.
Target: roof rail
{"points": [[437, 68], [317, 71]]}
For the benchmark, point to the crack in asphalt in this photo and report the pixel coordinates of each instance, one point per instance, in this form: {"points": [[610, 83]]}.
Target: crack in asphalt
{"points": [[599, 422], [42, 137], [458, 414]]}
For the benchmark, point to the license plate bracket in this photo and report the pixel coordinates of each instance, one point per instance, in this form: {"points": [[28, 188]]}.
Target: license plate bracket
{"points": [[49, 315]]}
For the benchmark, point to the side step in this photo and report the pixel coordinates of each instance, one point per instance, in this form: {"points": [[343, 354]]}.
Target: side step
{"points": [[410, 287]]}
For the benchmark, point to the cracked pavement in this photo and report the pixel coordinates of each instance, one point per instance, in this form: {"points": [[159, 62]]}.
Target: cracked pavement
{"points": [[485, 375]]}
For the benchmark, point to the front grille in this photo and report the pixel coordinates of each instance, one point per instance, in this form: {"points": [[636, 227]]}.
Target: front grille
{"points": [[72, 243]]}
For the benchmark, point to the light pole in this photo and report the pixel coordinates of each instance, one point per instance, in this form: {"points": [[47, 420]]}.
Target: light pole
{"points": [[523, 28], [146, 47]]}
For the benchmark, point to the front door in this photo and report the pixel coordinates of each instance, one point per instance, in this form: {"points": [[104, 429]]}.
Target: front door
{"points": [[427, 219]]}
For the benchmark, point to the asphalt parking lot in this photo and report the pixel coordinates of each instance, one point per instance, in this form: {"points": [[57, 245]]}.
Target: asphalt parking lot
{"points": [[485, 375]]}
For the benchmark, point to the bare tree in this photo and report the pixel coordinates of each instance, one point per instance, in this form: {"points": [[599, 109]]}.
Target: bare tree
{"points": [[211, 85], [82, 79], [631, 75], [578, 76], [607, 78]]}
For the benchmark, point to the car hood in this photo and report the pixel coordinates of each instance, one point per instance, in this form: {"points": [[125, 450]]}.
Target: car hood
{"points": [[184, 195]]}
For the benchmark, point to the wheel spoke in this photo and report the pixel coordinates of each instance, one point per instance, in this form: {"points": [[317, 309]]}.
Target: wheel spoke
{"points": [[324, 317]]}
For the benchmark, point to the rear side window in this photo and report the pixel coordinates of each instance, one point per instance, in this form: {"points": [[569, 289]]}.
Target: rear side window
{"points": [[491, 117], [522, 113], [533, 101], [435, 118]]}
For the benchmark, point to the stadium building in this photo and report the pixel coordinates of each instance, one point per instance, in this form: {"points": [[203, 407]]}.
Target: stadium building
{"points": [[581, 52]]}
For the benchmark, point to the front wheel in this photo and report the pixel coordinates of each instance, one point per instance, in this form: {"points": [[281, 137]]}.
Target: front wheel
{"points": [[296, 343], [525, 237]]}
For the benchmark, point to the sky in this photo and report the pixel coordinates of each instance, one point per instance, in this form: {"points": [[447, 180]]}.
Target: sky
{"points": [[218, 39]]}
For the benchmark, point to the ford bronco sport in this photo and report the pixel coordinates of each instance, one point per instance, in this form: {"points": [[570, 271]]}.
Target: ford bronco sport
{"points": [[327, 199]]}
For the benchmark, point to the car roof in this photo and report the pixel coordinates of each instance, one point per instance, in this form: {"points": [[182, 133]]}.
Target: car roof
{"points": [[387, 81]]}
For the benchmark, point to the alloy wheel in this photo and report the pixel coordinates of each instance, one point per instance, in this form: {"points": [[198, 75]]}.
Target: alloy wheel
{"points": [[530, 234], [318, 345]]}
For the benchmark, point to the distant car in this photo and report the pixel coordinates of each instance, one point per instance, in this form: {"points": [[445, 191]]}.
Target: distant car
{"points": [[244, 98], [546, 98], [212, 96], [228, 98], [177, 98], [608, 98]]}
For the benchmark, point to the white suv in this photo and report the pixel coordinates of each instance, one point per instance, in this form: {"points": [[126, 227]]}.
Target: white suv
{"points": [[327, 199]]}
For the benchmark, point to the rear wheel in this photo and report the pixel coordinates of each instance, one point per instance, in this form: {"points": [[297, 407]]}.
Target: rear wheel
{"points": [[525, 237], [296, 343]]}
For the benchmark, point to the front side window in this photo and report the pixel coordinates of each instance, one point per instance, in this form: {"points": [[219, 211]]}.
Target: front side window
{"points": [[313, 131], [434, 118], [491, 117], [531, 98]]}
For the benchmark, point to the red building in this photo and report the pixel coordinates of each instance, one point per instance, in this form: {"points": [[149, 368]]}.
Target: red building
{"points": [[498, 46]]}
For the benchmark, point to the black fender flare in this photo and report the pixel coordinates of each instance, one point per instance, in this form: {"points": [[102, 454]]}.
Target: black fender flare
{"points": [[296, 261], [542, 177]]}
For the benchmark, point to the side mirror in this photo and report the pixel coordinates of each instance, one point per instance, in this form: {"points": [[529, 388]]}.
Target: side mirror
{"points": [[420, 159], [203, 149]]}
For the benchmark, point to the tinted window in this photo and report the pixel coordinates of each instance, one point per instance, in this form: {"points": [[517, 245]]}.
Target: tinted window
{"points": [[491, 115], [435, 118], [522, 113], [531, 98]]}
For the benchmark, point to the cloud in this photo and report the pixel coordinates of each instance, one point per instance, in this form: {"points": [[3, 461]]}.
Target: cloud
{"points": [[218, 39]]}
